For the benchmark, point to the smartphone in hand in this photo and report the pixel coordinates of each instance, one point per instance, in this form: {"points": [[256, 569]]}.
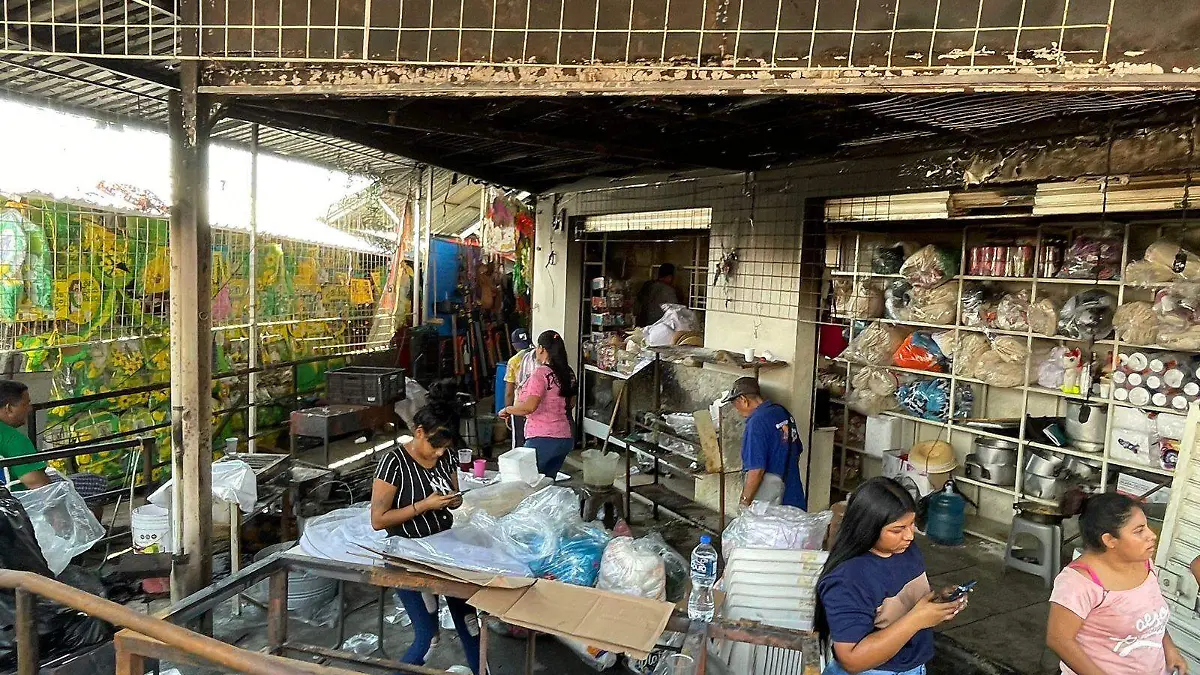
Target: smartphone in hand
{"points": [[955, 592]]}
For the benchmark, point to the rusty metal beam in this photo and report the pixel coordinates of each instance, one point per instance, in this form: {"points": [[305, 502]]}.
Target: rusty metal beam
{"points": [[375, 80]]}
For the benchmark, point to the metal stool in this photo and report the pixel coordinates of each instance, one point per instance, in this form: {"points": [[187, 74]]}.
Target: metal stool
{"points": [[1049, 553], [594, 500]]}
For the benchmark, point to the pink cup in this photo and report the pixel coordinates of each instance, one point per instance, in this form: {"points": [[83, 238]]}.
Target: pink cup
{"points": [[478, 468]]}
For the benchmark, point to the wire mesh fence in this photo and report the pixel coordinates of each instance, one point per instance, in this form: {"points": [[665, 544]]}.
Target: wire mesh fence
{"points": [[736, 34]]}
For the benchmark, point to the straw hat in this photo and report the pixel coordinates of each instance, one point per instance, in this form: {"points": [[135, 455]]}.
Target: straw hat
{"points": [[932, 457]]}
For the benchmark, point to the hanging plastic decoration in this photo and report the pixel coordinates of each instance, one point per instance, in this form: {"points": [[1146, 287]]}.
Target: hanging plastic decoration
{"points": [[13, 248]]}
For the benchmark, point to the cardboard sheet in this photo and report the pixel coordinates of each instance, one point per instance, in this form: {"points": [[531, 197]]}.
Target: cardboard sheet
{"points": [[484, 579], [617, 623]]}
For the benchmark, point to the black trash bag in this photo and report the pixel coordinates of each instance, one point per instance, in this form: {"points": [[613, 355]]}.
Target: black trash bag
{"points": [[61, 630]]}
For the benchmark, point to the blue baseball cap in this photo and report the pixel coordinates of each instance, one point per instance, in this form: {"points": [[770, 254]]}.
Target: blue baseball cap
{"points": [[520, 339]]}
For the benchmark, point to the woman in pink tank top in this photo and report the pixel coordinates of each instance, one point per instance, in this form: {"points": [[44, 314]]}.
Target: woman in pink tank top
{"points": [[1107, 615]]}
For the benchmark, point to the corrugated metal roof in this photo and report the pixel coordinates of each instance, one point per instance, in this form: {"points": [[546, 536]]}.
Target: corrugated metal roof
{"points": [[88, 89]]}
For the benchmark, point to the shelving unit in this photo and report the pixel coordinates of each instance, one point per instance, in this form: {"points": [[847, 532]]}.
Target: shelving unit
{"points": [[1024, 400]]}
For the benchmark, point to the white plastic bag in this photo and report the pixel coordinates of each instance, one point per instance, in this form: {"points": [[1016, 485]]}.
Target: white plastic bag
{"points": [[764, 525], [61, 521], [232, 481], [675, 318], [339, 535], [471, 548], [415, 398], [632, 567], [532, 532]]}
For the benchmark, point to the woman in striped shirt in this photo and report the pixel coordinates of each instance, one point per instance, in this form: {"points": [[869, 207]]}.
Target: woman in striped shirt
{"points": [[416, 486]]}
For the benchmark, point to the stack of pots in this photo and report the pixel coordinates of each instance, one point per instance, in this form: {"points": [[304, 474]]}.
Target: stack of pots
{"points": [[1041, 471], [994, 462]]}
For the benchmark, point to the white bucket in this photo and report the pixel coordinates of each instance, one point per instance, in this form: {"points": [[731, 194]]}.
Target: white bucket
{"points": [[151, 527]]}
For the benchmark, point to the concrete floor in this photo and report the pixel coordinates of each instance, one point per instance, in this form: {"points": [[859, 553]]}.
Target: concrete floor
{"points": [[1000, 633]]}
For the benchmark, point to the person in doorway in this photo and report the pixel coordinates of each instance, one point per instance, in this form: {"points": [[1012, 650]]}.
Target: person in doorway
{"points": [[656, 293], [771, 448], [520, 369], [545, 401], [1107, 614], [415, 488], [15, 406], [874, 605]]}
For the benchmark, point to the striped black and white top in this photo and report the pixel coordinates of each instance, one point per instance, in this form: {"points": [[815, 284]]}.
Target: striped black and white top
{"points": [[413, 483]]}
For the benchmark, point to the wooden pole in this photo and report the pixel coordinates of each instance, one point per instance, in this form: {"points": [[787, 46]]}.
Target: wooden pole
{"points": [[191, 322]]}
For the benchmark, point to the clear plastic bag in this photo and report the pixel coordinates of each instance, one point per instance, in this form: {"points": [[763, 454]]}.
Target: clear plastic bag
{"points": [[632, 567], [873, 390], [675, 566], [475, 547], [764, 525], [875, 345], [1180, 262], [889, 259], [532, 532], [1144, 273], [62, 522], [577, 560], [919, 351], [1043, 316], [363, 644], [963, 350], [930, 266], [598, 659], [1136, 323], [1088, 315], [1094, 255], [233, 481], [930, 399], [1050, 371], [998, 372], [1012, 312], [897, 296], [936, 305], [496, 500]]}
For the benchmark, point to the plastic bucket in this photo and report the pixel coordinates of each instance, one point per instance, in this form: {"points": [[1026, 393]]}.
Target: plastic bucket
{"points": [[151, 528]]}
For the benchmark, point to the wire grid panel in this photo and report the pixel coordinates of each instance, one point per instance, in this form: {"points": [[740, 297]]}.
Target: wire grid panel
{"points": [[808, 34]]}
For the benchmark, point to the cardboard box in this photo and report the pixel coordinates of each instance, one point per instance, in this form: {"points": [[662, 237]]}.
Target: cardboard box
{"points": [[1135, 487], [609, 621], [839, 512]]}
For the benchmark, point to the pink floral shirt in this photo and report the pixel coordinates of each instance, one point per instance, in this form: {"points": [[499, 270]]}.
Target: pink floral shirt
{"points": [[1122, 631]]}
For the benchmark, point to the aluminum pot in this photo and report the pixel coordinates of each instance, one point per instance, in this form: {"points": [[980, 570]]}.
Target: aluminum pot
{"points": [[993, 474], [1043, 464], [995, 452], [1086, 422], [1044, 487], [1083, 468]]}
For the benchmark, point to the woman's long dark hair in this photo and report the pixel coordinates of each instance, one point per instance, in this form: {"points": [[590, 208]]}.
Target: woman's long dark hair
{"points": [[873, 506], [440, 423], [560, 365], [1105, 513]]}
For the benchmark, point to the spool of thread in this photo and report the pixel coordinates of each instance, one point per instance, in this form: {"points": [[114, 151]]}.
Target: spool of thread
{"points": [[1135, 380], [1139, 396], [1159, 399], [1173, 377]]}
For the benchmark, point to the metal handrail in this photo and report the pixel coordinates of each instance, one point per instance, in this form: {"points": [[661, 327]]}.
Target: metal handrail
{"points": [[27, 585]]}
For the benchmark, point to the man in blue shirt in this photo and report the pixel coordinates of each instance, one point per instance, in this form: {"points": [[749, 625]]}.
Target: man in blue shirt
{"points": [[771, 448]]}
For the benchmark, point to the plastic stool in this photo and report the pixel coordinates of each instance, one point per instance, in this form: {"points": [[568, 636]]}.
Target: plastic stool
{"points": [[1050, 539], [595, 500]]}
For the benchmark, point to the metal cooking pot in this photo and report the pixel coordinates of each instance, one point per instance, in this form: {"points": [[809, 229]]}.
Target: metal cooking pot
{"points": [[1086, 422], [992, 474], [995, 452], [1043, 464], [1084, 469], [1040, 513], [1044, 487]]}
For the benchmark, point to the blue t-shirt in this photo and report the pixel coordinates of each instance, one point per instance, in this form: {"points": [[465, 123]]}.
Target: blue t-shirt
{"points": [[869, 593], [771, 442]]}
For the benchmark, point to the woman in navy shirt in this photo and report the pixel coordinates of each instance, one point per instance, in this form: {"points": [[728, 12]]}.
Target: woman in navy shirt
{"points": [[874, 604]]}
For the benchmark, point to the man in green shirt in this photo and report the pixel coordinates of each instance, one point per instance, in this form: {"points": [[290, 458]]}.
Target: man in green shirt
{"points": [[15, 407]]}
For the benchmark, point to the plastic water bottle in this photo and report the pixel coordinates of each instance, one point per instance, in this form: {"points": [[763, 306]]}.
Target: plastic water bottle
{"points": [[704, 576]]}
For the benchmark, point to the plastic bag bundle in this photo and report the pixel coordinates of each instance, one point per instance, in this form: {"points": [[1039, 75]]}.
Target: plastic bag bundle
{"points": [[62, 522], [979, 304], [1136, 323], [233, 481], [675, 566], [496, 500], [1169, 254], [875, 345], [897, 296], [934, 305], [675, 319], [764, 525], [919, 351], [1178, 305], [872, 391], [632, 567], [1050, 371], [474, 547], [21, 550], [531, 532], [856, 299], [889, 259], [1043, 317], [1088, 315], [577, 560], [834, 383], [963, 349], [993, 369], [1145, 273], [1093, 256], [1187, 339], [930, 399], [1012, 312], [597, 659], [1010, 349], [930, 266]]}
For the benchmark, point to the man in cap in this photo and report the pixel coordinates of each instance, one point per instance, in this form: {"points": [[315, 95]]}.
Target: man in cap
{"points": [[520, 368], [771, 448]]}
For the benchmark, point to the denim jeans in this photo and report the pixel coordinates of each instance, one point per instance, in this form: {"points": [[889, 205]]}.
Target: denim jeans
{"points": [[551, 453], [835, 668], [425, 626]]}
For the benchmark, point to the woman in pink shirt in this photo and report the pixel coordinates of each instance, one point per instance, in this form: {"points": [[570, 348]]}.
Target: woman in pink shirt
{"points": [[1107, 615], [544, 401]]}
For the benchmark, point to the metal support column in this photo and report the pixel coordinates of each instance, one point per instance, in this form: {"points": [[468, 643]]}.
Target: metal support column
{"points": [[418, 210], [252, 291], [191, 322]]}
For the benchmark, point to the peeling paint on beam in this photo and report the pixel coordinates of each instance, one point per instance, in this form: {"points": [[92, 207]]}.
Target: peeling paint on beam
{"points": [[272, 79]]}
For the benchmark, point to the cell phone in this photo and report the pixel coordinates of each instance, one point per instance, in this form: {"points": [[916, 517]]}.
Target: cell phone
{"points": [[957, 592]]}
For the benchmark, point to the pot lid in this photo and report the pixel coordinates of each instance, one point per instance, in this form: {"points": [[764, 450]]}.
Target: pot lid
{"points": [[933, 456]]}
